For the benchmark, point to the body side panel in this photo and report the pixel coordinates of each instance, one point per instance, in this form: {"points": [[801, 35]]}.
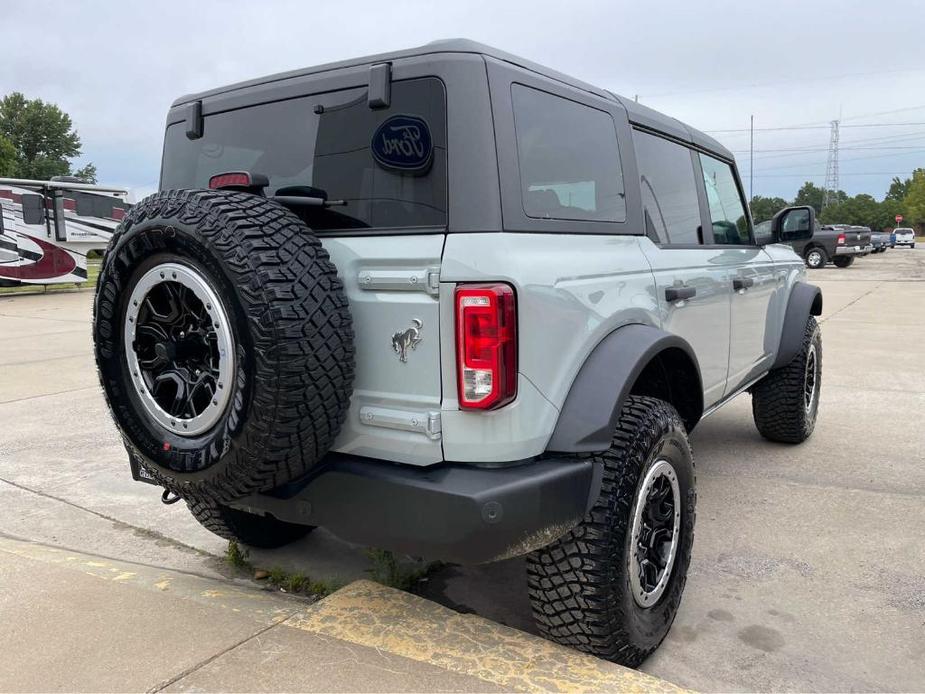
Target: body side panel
{"points": [[592, 409], [755, 315], [572, 291], [704, 320]]}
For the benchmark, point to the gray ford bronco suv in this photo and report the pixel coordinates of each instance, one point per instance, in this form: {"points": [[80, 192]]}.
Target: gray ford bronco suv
{"points": [[457, 305]]}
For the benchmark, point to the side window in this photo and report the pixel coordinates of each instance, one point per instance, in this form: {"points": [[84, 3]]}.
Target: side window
{"points": [[669, 190], [569, 159], [33, 208], [727, 211]]}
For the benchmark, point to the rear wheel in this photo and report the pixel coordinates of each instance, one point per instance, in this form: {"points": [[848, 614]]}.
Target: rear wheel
{"points": [[785, 403], [247, 528], [843, 261], [815, 258], [612, 585]]}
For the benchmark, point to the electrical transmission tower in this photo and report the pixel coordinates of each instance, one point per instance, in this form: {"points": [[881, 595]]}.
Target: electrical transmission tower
{"points": [[831, 169]]}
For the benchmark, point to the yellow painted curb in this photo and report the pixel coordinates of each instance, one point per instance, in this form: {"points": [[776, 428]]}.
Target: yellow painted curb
{"points": [[266, 607], [372, 615]]}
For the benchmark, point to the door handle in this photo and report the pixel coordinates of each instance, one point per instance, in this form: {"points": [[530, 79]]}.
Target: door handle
{"points": [[740, 283], [673, 294]]}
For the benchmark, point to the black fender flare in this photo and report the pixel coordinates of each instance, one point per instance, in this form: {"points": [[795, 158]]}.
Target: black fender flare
{"points": [[805, 300], [592, 407]]}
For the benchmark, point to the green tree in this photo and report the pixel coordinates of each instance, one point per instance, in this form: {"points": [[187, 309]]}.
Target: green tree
{"points": [[87, 173], [810, 194], [7, 158], [915, 198], [886, 214], [764, 208], [898, 189], [42, 135]]}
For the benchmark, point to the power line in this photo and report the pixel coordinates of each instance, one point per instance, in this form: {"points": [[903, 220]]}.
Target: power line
{"points": [[817, 175], [819, 163], [824, 149], [816, 127], [760, 85]]}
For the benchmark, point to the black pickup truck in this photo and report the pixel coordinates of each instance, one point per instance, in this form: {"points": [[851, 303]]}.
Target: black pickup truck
{"points": [[839, 244]]}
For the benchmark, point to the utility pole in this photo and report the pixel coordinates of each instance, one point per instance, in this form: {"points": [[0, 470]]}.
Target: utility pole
{"points": [[831, 169], [751, 159]]}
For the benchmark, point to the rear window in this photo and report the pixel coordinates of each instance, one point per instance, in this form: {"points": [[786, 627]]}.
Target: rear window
{"points": [[388, 165], [569, 159]]}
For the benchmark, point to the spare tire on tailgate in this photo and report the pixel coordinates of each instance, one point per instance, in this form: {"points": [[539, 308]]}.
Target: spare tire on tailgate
{"points": [[224, 342]]}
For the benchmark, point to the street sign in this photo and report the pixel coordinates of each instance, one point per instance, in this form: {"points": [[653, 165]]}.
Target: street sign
{"points": [[899, 218]]}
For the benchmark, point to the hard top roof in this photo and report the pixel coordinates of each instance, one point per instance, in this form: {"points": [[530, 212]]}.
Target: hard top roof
{"points": [[637, 113]]}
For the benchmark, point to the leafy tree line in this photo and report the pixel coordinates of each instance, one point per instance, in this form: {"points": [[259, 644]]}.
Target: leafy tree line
{"points": [[905, 197], [37, 140]]}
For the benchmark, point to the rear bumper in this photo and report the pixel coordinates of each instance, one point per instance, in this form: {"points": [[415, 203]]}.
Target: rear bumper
{"points": [[453, 512], [853, 250]]}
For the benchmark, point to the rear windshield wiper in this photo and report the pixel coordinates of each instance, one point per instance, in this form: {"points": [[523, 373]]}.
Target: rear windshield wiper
{"points": [[305, 196]]}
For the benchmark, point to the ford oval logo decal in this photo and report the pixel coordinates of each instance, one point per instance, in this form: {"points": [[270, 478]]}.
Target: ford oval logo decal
{"points": [[403, 143]]}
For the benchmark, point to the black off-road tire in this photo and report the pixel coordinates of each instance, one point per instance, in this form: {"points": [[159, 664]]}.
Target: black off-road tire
{"points": [[249, 529], [811, 259], [779, 400], [292, 334], [843, 261], [580, 585]]}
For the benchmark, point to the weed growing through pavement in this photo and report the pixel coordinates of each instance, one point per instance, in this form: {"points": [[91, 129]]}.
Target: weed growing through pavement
{"points": [[237, 556], [388, 571]]}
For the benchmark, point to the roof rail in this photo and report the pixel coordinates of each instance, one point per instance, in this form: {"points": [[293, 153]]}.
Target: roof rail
{"points": [[61, 185]]}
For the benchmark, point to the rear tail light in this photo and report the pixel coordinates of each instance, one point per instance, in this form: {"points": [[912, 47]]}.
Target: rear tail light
{"points": [[239, 180], [486, 345], [841, 240]]}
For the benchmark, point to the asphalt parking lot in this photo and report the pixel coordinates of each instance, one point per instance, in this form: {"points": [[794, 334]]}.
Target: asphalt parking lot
{"points": [[809, 562]]}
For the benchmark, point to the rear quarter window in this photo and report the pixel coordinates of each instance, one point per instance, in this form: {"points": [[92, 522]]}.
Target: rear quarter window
{"points": [[388, 165], [568, 158]]}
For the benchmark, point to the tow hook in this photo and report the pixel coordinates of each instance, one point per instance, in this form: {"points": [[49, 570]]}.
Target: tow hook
{"points": [[166, 497]]}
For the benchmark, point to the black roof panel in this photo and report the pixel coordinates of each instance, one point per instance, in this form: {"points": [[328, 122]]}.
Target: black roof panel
{"points": [[642, 115]]}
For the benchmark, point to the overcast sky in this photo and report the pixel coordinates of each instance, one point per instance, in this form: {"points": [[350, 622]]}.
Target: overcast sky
{"points": [[115, 67]]}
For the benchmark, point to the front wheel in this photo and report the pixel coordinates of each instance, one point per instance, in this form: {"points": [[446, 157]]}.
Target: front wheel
{"points": [[785, 403], [612, 585], [843, 261]]}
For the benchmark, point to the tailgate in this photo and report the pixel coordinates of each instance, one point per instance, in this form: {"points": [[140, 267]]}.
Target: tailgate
{"points": [[391, 283]]}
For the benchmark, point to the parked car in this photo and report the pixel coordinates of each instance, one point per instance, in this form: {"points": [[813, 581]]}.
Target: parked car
{"points": [[904, 236], [450, 303], [838, 244], [880, 241]]}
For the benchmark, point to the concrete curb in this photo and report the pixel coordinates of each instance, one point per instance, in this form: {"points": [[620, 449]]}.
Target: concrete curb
{"points": [[373, 616]]}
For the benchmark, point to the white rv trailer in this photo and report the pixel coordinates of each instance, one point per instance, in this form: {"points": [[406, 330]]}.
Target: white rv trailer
{"points": [[48, 227]]}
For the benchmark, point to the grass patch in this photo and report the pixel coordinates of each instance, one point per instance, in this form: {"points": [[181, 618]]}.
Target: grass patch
{"points": [[298, 582], [389, 571], [238, 557]]}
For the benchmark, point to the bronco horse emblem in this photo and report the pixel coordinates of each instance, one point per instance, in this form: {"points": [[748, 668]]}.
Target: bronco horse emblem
{"points": [[405, 339]]}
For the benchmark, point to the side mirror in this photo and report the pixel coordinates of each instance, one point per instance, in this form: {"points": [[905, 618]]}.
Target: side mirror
{"points": [[793, 224]]}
